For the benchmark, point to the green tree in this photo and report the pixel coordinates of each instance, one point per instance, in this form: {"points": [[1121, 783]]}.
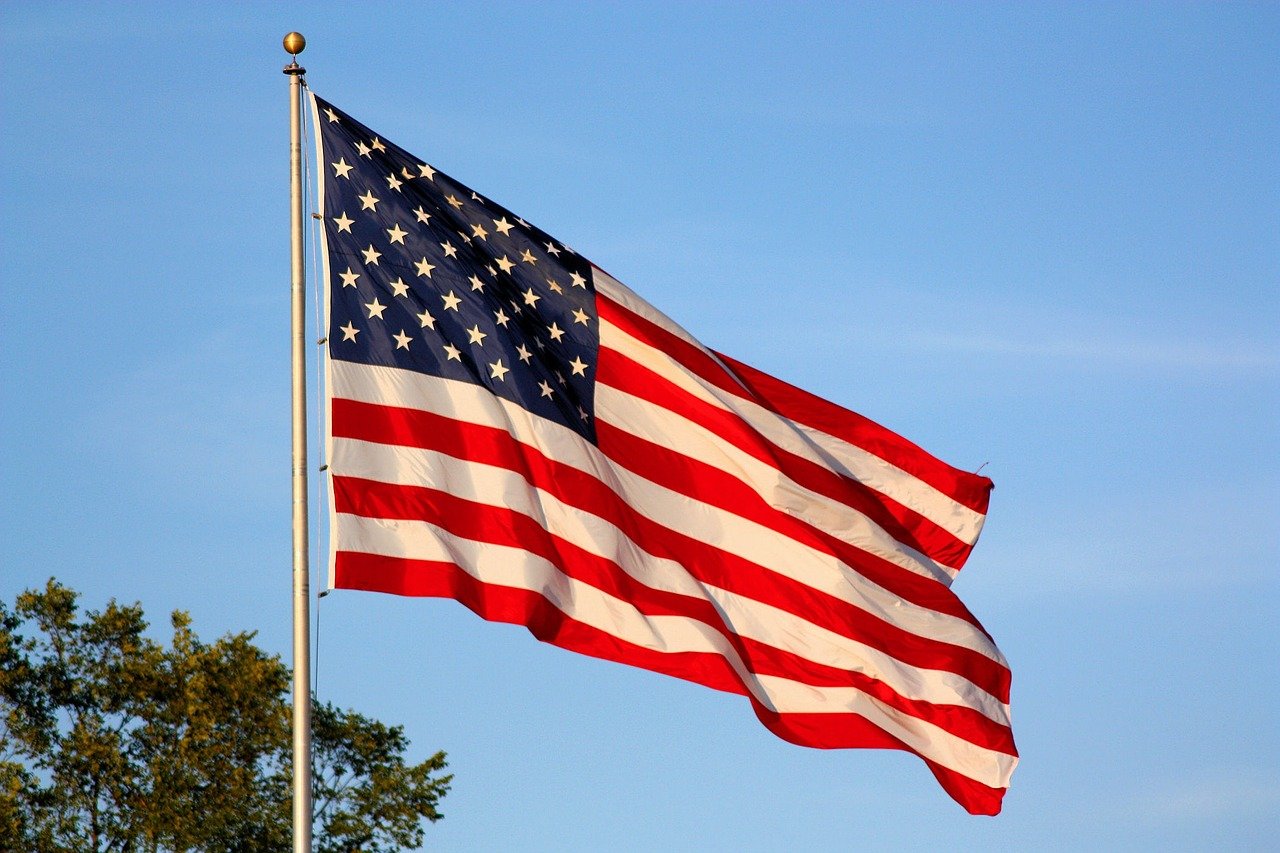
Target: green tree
{"points": [[111, 741]]}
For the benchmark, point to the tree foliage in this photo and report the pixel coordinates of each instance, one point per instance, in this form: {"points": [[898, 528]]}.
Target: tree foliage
{"points": [[111, 741]]}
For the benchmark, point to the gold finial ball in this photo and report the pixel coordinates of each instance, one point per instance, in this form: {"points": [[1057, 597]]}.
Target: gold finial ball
{"points": [[294, 43]]}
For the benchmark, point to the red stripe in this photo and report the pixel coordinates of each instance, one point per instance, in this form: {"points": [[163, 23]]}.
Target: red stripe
{"points": [[483, 523], [488, 445], [691, 357], [965, 487], [784, 399], [903, 524], [551, 625], [849, 731]]}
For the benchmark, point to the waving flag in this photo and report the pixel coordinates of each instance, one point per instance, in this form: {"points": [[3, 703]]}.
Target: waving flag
{"points": [[513, 428]]}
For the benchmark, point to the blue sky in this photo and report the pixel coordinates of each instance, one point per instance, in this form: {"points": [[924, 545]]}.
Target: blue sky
{"points": [[1043, 238]]}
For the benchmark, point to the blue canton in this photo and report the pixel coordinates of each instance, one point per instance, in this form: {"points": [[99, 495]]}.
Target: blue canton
{"points": [[429, 276]]}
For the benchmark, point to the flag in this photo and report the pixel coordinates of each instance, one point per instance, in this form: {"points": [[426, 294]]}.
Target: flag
{"points": [[511, 427]]}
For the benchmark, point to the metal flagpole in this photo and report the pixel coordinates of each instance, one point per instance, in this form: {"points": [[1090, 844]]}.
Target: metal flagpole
{"points": [[294, 44]]}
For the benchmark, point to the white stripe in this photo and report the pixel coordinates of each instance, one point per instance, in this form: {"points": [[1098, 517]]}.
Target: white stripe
{"points": [[689, 438], [803, 440], [498, 487], [761, 545], [518, 569]]}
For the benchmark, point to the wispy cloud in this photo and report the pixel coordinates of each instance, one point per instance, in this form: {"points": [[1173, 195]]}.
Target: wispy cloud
{"points": [[1213, 798], [1242, 355], [835, 323], [1191, 538]]}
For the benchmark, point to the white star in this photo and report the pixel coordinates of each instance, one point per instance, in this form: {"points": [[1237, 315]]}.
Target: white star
{"points": [[582, 413], [397, 234], [427, 172], [371, 255], [399, 288], [522, 222], [498, 371], [478, 231], [450, 301], [368, 201], [555, 286], [501, 318], [578, 281], [408, 175], [505, 264], [579, 366], [580, 316], [422, 215], [475, 197], [560, 378], [344, 224], [476, 336], [528, 257], [546, 389], [530, 297], [341, 168], [349, 332], [524, 353], [362, 149], [476, 283], [452, 352], [331, 114], [402, 340], [466, 237], [377, 144], [375, 308], [449, 250], [393, 182], [453, 200], [349, 278], [427, 321], [424, 266], [503, 226], [552, 250], [555, 332]]}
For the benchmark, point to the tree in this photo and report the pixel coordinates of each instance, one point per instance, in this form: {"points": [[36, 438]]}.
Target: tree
{"points": [[111, 741]]}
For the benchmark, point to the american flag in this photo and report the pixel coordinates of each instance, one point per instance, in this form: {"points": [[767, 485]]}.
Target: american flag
{"points": [[513, 428]]}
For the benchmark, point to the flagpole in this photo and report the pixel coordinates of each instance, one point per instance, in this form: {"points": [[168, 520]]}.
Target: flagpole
{"points": [[294, 44]]}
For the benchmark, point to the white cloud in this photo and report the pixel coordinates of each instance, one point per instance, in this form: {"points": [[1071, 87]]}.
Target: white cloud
{"points": [[1241, 355], [1224, 796]]}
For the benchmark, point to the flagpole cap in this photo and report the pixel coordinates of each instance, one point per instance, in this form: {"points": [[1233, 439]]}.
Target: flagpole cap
{"points": [[294, 43]]}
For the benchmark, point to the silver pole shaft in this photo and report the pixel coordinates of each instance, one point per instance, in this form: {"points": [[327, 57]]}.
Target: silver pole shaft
{"points": [[301, 562]]}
